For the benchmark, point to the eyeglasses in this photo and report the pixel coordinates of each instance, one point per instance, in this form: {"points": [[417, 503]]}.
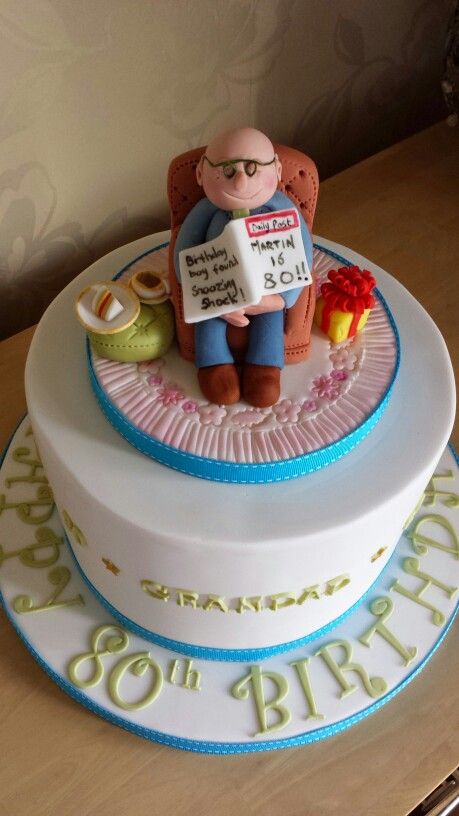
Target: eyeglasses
{"points": [[229, 166]]}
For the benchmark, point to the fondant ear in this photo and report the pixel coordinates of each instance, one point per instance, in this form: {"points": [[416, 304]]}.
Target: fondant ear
{"points": [[199, 171], [278, 167]]}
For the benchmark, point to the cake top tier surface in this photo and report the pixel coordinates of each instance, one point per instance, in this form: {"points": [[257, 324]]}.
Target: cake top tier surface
{"points": [[327, 402], [404, 445]]}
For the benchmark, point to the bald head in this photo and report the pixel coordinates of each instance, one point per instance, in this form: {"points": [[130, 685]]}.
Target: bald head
{"points": [[240, 143], [249, 185]]}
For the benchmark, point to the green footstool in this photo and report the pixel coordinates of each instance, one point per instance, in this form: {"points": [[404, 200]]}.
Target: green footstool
{"points": [[148, 337]]}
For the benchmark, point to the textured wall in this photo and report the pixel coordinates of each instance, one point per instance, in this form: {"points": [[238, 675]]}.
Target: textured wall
{"points": [[96, 97]]}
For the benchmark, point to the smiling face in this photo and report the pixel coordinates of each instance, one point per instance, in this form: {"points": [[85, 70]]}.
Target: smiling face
{"points": [[246, 188]]}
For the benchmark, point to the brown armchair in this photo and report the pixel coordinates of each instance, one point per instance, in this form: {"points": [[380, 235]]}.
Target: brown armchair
{"points": [[300, 182]]}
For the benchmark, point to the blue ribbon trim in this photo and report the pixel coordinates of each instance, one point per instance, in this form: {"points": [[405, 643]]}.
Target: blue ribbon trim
{"points": [[10, 439], [203, 746], [219, 748], [242, 473], [210, 652], [453, 451]]}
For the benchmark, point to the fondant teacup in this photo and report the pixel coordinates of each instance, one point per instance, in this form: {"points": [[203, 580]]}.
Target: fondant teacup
{"points": [[150, 288]]}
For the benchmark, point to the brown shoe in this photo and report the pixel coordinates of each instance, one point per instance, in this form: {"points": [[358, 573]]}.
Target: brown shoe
{"points": [[220, 383], [261, 385]]}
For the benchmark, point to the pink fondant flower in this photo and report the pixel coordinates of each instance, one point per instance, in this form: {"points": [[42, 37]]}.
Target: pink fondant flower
{"points": [[342, 358], [154, 379], [339, 357], [152, 366], [309, 405], [170, 394], [211, 414], [248, 417], [339, 375], [325, 387], [286, 411], [190, 407]]}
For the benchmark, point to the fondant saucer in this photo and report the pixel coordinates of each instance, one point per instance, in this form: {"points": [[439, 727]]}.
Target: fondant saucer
{"points": [[328, 403], [127, 299], [151, 287], [297, 697]]}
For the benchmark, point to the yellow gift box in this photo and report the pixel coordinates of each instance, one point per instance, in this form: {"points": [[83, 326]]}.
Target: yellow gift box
{"points": [[340, 323]]}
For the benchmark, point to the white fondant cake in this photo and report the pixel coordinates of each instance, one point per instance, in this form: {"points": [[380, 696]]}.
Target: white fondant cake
{"points": [[306, 694], [233, 570]]}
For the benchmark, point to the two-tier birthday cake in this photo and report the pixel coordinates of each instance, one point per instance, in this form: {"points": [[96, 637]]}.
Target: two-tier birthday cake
{"points": [[232, 576]]}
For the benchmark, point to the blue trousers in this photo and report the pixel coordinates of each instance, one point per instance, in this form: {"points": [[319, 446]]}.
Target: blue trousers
{"points": [[266, 341]]}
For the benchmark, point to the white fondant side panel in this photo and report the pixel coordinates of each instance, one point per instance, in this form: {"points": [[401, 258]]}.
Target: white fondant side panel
{"points": [[211, 568], [303, 695]]}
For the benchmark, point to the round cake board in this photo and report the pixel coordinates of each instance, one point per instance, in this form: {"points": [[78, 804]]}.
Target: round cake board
{"points": [[328, 403], [296, 697]]}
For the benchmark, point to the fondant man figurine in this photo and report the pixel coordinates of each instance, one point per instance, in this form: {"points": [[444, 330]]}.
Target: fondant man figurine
{"points": [[239, 174]]}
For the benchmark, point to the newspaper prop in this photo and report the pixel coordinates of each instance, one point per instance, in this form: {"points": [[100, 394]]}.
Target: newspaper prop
{"points": [[254, 256]]}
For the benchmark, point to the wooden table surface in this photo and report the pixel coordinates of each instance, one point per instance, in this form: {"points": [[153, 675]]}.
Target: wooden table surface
{"points": [[399, 208]]}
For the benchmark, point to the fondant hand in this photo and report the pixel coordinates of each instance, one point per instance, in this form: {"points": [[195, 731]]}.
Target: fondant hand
{"points": [[236, 318], [268, 303]]}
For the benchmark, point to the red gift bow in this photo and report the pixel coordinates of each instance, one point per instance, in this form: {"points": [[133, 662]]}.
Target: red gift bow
{"points": [[348, 290]]}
